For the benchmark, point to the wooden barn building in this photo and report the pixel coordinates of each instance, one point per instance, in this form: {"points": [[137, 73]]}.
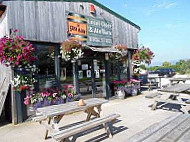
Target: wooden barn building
{"points": [[47, 23]]}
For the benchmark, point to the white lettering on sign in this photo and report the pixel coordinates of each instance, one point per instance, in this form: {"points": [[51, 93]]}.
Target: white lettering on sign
{"points": [[100, 40], [100, 31]]}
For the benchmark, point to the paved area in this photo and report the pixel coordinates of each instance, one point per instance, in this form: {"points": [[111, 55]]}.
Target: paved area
{"points": [[136, 115]]}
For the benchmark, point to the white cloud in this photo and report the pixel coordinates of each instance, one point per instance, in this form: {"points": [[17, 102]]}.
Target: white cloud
{"points": [[160, 6], [165, 5], [170, 5]]}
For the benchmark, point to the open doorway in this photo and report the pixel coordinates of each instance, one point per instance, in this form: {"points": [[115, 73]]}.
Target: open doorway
{"points": [[89, 70]]}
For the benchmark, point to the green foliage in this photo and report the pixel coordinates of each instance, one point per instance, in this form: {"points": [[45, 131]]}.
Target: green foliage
{"points": [[166, 64], [181, 67], [143, 67]]}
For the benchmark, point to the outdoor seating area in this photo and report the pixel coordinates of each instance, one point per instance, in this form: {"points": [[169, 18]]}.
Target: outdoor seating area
{"points": [[50, 117], [75, 71], [174, 97]]}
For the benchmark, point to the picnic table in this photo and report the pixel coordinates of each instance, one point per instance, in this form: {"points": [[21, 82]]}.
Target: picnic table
{"points": [[175, 97], [50, 116], [172, 129], [178, 80]]}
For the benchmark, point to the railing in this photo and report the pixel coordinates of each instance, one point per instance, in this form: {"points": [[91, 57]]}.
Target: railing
{"points": [[5, 77]]}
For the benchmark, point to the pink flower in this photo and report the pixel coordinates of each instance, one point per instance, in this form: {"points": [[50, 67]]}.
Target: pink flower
{"points": [[54, 95], [26, 101], [15, 31], [43, 94], [69, 94]]}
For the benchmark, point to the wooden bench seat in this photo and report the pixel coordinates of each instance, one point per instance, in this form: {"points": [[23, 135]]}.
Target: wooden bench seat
{"points": [[106, 121], [172, 129]]}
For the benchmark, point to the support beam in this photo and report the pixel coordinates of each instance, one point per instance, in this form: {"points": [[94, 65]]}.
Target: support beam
{"points": [[75, 76], [129, 67], [93, 79], [107, 76], [13, 103], [118, 70], [57, 65]]}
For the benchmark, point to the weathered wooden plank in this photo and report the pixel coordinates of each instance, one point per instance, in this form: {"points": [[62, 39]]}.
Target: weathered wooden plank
{"points": [[185, 137], [58, 111], [46, 21], [158, 135], [176, 88], [139, 137], [84, 126], [68, 107], [176, 133]]}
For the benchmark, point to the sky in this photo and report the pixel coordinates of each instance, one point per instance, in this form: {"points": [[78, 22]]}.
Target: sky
{"points": [[165, 25]]}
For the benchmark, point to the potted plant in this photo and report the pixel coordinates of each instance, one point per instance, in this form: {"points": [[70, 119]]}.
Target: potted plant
{"points": [[120, 88], [135, 87], [51, 96]]}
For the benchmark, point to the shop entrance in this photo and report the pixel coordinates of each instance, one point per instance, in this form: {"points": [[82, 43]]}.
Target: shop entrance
{"points": [[91, 75]]}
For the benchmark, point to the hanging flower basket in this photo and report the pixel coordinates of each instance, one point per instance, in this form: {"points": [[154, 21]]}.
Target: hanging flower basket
{"points": [[14, 51], [20, 55], [121, 52], [143, 55], [71, 50]]}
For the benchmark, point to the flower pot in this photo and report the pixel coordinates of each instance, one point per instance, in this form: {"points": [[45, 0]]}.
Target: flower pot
{"points": [[134, 91], [120, 94]]}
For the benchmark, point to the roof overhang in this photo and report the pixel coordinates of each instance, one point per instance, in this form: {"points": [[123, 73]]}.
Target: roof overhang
{"points": [[106, 50]]}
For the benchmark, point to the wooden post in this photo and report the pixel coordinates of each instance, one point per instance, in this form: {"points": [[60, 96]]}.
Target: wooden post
{"points": [[118, 70], [57, 65], [129, 68], [107, 79], [75, 76], [13, 103], [93, 79]]}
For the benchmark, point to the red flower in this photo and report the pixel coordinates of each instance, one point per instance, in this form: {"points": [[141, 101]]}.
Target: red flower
{"points": [[23, 87]]}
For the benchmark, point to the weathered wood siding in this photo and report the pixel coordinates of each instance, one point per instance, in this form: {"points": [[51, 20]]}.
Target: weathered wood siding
{"points": [[46, 21]]}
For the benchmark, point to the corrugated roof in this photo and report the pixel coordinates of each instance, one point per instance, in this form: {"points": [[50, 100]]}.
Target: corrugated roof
{"points": [[97, 4]]}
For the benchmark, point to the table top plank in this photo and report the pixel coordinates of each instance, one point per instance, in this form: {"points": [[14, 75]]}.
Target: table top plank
{"points": [[176, 88], [157, 136], [185, 137], [176, 133], [180, 79], [143, 135], [70, 107]]}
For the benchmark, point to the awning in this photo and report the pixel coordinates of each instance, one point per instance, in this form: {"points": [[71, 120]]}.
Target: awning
{"points": [[107, 50]]}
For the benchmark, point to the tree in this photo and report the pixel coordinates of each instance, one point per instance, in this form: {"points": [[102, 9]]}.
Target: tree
{"points": [[166, 64]]}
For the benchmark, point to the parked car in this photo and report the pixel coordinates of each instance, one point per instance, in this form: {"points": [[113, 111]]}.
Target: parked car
{"points": [[167, 72]]}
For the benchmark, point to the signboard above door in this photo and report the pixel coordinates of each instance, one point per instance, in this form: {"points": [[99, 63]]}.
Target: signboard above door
{"points": [[90, 30]]}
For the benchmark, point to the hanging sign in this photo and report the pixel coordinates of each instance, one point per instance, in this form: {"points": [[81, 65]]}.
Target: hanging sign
{"points": [[93, 31]]}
